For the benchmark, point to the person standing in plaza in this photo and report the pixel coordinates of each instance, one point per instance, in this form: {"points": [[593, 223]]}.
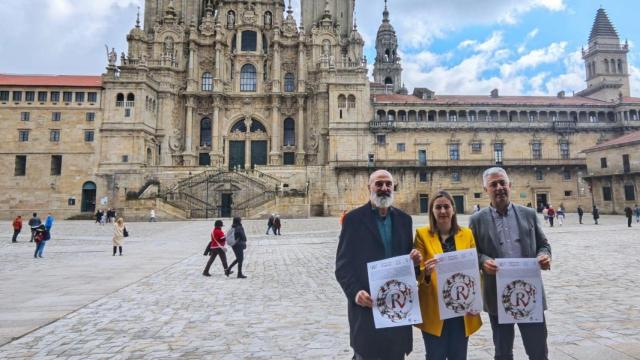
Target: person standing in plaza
{"points": [[41, 237], [270, 224], [34, 222], [152, 215], [637, 212], [506, 230], [551, 213], [17, 227], [580, 213], [118, 235], [48, 222], [373, 232], [277, 224], [596, 214], [560, 215], [545, 213], [217, 245], [629, 214], [446, 339], [239, 246]]}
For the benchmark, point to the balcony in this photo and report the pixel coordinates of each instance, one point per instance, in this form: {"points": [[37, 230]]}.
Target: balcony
{"points": [[382, 125], [565, 126], [433, 164]]}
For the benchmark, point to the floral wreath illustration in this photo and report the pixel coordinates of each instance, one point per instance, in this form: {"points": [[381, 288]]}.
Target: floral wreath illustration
{"points": [[514, 309], [458, 305], [385, 302]]}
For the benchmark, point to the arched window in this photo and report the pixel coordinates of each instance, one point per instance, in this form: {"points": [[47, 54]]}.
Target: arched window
{"points": [[620, 66], [606, 65], [248, 78], [289, 82], [239, 127], [342, 101], [265, 44], [289, 132], [131, 97], [205, 132], [249, 41], [256, 126], [119, 100], [388, 81], [351, 102], [207, 82]]}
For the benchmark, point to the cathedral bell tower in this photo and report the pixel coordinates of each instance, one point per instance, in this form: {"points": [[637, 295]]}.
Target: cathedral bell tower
{"points": [[607, 70], [387, 69]]}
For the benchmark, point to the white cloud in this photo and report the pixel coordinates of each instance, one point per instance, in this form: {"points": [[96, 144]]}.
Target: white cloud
{"points": [[491, 44], [548, 55], [467, 43]]}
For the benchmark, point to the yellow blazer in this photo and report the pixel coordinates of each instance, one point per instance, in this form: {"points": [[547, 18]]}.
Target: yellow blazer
{"points": [[429, 245]]}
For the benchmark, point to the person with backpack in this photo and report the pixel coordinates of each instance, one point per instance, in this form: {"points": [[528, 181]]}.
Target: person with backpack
{"points": [[40, 237], [237, 239], [217, 247]]}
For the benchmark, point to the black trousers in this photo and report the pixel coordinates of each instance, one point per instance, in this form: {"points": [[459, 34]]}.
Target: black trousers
{"points": [[629, 220], [450, 345], [534, 338], [212, 256], [15, 235], [580, 218], [551, 221], [33, 234], [238, 251], [392, 357]]}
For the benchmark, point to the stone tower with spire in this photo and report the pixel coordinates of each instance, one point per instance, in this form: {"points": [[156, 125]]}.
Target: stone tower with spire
{"points": [[607, 70], [387, 69]]}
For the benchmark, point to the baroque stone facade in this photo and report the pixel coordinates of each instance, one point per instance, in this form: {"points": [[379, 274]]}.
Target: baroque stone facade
{"points": [[221, 108]]}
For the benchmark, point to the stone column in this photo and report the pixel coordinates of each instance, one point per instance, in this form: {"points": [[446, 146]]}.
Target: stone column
{"points": [[216, 140], [301, 64], [300, 133], [247, 143], [275, 154], [188, 136]]}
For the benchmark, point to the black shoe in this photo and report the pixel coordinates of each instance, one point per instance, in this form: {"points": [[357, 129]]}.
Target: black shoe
{"points": [[206, 274], [241, 276], [228, 272]]}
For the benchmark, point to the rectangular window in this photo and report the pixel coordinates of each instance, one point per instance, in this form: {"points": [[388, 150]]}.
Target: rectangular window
{"points": [[67, 96], [422, 157], [21, 165], [498, 152], [476, 147], [629, 192], [127, 112], [381, 139], [88, 135], [455, 175], [56, 116], [603, 163], [54, 136], [23, 135], [79, 97], [536, 151], [29, 96], [289, 158], [92, 97], [566, 174], [91, 116], [424, 176], [564, 150], [125, 158], [606, 193], [17, 96], [24, 116], [454, 152], [567, 193], [56, 165], [401, 147], [249, 41], [55, 96], [4, 95], [42, 96], [477, 195], [626, 165], [539, 175]]}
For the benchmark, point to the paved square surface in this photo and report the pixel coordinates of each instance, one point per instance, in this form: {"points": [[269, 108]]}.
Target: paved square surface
{"points": [[79, 302]]}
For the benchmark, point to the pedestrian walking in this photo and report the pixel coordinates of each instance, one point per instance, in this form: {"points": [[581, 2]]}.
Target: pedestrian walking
{"points": [[277, 224], [238, 246], [34, 222], [551, 213], [596, 214], [217, 246], [637, 211], [98, 216], [17, 227], [48, 222], [629, 214], [560, 215], [41, 237], [545, 214], [152, 215], [580, 213], [270, 224], [119, 233]]}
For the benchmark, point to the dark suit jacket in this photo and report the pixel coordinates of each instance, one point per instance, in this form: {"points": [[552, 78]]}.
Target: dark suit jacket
{"points": [[360, 243], [533, 241]]}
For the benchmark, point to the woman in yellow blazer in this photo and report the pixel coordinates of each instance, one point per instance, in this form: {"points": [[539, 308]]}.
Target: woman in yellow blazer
{"points": [[446, 339]]}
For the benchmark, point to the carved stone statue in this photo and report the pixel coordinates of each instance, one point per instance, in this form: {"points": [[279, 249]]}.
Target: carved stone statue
{"points": [[112, 56], [267, 18], [231, 20]]}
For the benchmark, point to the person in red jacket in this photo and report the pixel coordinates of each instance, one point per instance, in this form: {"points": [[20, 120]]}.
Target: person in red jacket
{"points": [[17, 227], [217, 247], [552, 214]]}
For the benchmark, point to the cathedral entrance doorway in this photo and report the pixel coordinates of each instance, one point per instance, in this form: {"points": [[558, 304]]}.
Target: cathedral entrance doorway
{"points": [[88, 203], [258, 153], [226, 201], [541, 201], [236, 155]]}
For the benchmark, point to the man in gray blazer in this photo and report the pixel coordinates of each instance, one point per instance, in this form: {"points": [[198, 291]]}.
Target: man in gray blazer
{"points": [[506, 230]]}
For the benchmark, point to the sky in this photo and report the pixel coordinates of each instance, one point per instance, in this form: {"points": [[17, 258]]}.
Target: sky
{"points": [[521, 47]]}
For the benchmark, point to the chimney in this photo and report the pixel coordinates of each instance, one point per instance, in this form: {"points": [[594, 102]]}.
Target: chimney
{"points": [[494, 93], [561, 94]]}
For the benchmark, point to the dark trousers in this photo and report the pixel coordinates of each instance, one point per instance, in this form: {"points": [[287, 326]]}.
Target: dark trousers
{"points": [[15, 235], [33, 234], [551, 221], [534, 338], [629, 219], [450, 345], [239, 253], [580, 218], [212, 256], [114, 250], [388, 357]]}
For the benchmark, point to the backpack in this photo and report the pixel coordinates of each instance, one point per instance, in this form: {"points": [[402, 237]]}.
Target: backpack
{"points": [[230, 236]]}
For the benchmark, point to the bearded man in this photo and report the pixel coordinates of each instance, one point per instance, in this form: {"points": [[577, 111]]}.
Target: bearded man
{"points": [[369, 233]]}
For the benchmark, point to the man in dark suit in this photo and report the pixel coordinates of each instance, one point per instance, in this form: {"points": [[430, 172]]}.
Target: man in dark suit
{"points": [[369, 233], [506, 230]]}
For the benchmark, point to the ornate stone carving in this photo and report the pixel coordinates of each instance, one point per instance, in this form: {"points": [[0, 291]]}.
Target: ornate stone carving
{"points": [[249, 15]]}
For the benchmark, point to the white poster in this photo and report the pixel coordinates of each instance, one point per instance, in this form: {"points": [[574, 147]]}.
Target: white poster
{"points": [[394, 291], [519, 286], [458, 278]]}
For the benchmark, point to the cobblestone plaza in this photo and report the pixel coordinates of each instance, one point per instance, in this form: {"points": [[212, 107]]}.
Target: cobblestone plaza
{"points": [[79, 302]]}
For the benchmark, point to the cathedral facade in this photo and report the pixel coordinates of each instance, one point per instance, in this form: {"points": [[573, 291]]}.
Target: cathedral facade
{"points": [[221, 108]]}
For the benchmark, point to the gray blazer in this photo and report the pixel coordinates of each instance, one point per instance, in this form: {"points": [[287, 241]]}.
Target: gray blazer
{"points": [[534, 243]]}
